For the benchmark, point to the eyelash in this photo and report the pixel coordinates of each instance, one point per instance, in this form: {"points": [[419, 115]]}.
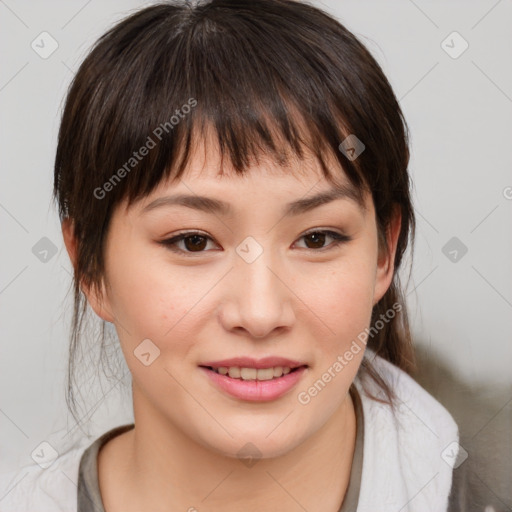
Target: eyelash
{"points": [[171, 243]]}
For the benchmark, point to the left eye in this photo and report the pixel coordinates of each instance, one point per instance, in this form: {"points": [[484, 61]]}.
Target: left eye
{"points": [[195, 242], [318, 237]]}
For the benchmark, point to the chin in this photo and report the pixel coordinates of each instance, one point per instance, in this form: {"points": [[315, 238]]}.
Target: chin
{"points": [[250, 444]]}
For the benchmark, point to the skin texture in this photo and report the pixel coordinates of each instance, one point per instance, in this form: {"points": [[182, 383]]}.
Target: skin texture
{"points": [[305, 301]]}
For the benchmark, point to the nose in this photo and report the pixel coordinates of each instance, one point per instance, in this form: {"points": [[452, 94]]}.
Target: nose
{"points": [[259, 300]]}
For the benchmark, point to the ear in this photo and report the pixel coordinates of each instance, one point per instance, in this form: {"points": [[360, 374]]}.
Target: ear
{"points": [[98, 302], [386, 258]]}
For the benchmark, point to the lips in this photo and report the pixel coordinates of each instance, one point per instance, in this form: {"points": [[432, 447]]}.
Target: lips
{"points": [[249, 362], [250, 379]]}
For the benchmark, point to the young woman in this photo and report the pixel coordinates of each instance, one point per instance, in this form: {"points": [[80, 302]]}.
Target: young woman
{"points": [[232, 182]]}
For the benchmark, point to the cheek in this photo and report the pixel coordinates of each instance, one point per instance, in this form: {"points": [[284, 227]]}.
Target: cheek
{"points": [[153, 300], [342, 300]]}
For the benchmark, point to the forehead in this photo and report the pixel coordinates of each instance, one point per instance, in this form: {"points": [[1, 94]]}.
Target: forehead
{"points": [[208, 168], [262, 186]]}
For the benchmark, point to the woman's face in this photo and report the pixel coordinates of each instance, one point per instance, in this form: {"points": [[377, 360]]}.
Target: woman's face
{"points": [[250, 285]]}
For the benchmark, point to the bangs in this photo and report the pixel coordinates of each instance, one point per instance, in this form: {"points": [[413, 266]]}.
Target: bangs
{"points": [[179, 73]]}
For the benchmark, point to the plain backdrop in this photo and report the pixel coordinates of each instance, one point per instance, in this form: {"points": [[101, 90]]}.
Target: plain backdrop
{"points": [[458, 104]]}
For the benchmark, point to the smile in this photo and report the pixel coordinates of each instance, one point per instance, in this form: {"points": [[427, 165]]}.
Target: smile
{"points": [[251, 384], [236, 372]]}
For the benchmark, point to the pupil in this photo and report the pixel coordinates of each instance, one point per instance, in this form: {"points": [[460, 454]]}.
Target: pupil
{"points": [[320, 236], [197, 242]]}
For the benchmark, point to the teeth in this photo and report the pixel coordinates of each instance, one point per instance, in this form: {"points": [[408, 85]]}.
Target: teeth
{"points": [[236, 372]]}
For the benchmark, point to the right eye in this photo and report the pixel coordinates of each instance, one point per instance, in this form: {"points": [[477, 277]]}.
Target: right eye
{"points": [[193, 242]]}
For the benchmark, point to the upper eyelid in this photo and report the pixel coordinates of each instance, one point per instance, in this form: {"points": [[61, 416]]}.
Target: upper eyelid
{"points": [[178, 237], [206, 235]]}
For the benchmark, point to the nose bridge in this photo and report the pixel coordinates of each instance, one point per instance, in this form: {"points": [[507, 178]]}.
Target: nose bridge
{"points": [[253, 266], [260, 294]]}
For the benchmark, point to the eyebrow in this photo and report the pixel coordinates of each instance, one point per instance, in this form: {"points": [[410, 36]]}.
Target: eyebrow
{"points": [[300, 206]]}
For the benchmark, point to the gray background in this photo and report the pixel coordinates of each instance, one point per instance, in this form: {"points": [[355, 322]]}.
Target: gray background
{"points": [[459, 111]]}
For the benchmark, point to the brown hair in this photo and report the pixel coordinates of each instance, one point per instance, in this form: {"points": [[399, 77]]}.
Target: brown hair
{"points": [[243, 68]]}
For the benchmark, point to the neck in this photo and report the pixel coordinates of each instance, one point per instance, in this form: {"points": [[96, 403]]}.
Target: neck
{"points": [[165, 469]]}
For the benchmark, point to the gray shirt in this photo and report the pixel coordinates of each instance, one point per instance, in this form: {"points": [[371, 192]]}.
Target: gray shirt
{"points": [[89, 497]]}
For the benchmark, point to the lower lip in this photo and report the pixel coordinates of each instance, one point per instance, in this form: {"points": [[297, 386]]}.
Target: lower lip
{"points": [[256, 390]]}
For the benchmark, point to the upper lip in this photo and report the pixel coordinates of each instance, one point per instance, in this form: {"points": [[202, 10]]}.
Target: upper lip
{"points": [[249, 362]]}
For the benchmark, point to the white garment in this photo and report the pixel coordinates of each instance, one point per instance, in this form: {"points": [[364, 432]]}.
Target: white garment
{"points": [[403, 469]]}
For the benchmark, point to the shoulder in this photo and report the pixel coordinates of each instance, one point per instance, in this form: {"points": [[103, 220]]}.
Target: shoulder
{"points": [[413, 402], [46, 487], [409, 450]]}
